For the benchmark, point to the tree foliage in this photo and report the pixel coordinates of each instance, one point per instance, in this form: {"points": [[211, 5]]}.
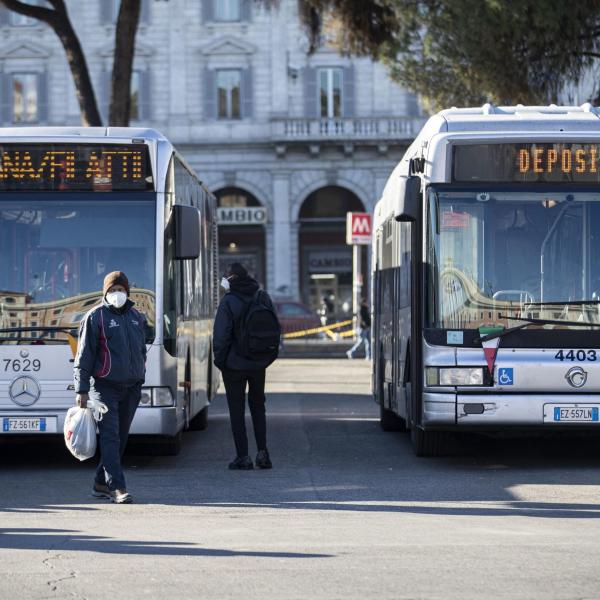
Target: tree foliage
{"points": [[458, 52]]}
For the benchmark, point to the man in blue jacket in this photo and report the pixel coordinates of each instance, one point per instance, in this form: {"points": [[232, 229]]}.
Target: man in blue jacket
{"points": [[240, 371], [112, 352]]}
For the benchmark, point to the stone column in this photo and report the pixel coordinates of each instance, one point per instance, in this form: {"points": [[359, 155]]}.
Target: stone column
{"points": [[282, 275], [279, 60], [177, 76]]}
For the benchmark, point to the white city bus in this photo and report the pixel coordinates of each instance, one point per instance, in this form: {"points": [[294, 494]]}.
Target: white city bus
{"points": [[486, 276], [75, 204]]}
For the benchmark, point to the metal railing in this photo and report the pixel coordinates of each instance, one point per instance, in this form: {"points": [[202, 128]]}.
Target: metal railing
{"points": [[374, 128]]}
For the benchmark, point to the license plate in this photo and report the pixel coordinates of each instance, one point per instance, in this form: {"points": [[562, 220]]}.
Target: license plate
{"points": [[573, 414], [28, 425]]}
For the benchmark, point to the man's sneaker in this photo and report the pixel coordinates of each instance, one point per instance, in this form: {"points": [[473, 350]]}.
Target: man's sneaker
{"points": [[241, 463], [121, 497], [349, 355], [263, 460], [100, 490]]}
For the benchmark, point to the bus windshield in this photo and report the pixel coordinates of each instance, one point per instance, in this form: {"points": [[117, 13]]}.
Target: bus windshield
{"points": [[494, 254], [55, 252]]}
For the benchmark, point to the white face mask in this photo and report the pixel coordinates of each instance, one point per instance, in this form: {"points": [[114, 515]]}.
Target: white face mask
{"points": [[116, 299], [225, 284]]}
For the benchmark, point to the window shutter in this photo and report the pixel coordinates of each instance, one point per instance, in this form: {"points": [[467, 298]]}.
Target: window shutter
{"points": [[208, 11], [247, 94], [145, 99], [348, 92], [145, 12], [246, 10], [311, 98], [210, 94], [6, 107], [103, 95], [42, 98], [107, 12]]}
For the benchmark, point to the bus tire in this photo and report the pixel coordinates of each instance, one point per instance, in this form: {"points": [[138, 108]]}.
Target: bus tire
{"points": [[428, 443], [200, 421], [390, 421]]}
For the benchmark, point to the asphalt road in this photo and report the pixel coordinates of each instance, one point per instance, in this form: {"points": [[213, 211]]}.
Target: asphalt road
{"points": [[347, 512]]}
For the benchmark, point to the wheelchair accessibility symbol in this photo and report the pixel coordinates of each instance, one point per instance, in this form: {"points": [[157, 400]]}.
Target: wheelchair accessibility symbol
{"points": [[505, 376]]}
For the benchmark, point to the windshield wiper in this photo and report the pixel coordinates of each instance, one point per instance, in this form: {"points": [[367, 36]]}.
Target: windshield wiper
{"points": [[38, 328], [70, 331], [564, 303], [527, 323]]}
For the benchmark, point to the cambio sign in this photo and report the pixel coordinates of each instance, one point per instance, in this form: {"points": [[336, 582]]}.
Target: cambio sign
{"points": [[244, 215], [358, 228]]}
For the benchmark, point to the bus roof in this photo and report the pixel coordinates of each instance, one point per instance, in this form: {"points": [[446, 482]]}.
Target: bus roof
{"points": [[83, 132], [487, 121], [518, 118]]}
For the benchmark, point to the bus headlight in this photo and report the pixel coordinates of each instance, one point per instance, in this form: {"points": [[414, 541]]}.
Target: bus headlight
{"points": [[146, 399], [161, 396], [156, 396], [454, 376]]}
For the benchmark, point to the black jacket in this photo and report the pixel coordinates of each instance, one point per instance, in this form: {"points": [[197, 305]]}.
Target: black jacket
{"points": [[365, 317], [111, 347], [231, 310]]}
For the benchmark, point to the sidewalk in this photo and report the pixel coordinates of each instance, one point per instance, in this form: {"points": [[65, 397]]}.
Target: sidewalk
{"points": [[311, 348]]}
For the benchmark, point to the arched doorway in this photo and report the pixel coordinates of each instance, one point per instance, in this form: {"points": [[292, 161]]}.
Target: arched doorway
{"points": [[242, 220], [325, 258]]}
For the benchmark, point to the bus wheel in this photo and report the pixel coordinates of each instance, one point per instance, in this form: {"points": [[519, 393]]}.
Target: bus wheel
{"points": [[390, 421], [200, 421], [428, 443]]}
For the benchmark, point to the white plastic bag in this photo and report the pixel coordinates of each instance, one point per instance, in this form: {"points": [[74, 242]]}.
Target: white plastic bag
{"points": [[80, 429]]}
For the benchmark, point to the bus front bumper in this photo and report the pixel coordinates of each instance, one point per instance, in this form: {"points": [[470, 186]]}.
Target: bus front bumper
{"points": [[162, 421], [491, 410]]}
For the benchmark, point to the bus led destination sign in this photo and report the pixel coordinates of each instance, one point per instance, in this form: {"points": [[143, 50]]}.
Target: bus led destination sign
{"points": [[527, 163], [74, 167]]}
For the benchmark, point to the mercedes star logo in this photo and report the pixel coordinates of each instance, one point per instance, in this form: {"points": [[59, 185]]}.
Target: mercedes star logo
{"points": [[24, 391], [576, 377]]}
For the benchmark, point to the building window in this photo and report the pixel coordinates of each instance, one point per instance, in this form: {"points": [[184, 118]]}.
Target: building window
{"points": [[227, 10], [134, 107], [110, 11], [24, 98], [18, 20], [330, 93], [229, 83]]}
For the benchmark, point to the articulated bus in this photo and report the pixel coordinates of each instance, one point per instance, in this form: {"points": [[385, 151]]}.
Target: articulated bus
{"points": [[75, 204], [486, 276]]}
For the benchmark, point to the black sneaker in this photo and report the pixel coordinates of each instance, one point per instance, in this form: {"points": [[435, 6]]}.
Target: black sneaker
{"points": [[241, 463], [263, 460], [121, 497], [100, 490]]}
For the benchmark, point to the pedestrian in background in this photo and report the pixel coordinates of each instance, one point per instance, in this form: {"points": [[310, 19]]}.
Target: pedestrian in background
{"points": [[245, 342], [364, 331], [110, 364]]}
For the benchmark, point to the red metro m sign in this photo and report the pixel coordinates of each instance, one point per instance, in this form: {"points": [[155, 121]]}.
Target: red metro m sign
{"points": [[358, 228]]}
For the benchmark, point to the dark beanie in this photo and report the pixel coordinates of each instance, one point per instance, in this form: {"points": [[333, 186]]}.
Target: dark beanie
{"points": [[238, 270], [115, 278]]}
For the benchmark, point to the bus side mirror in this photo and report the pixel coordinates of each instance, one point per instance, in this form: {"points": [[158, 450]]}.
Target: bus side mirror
{"points": [[186, 222], [408, 207]]}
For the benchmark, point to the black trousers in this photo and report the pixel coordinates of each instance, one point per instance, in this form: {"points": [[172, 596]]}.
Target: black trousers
{"points": [[235, 388]]}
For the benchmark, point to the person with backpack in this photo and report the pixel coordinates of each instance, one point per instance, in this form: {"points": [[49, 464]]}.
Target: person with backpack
{"points": [[245, 342]]}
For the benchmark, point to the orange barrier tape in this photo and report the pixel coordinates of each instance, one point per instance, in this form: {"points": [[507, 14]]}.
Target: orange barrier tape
{"points": [[325, 329]]}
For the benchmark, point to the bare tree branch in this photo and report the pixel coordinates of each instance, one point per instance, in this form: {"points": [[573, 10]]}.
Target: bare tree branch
{"points": [[125, 32], [58, 20]]}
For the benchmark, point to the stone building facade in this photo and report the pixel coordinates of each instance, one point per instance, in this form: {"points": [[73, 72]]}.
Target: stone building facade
{"points": [[289, 142]]}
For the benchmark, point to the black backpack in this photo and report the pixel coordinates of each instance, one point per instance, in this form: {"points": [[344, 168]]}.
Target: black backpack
{"points": [[259, 330]]}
